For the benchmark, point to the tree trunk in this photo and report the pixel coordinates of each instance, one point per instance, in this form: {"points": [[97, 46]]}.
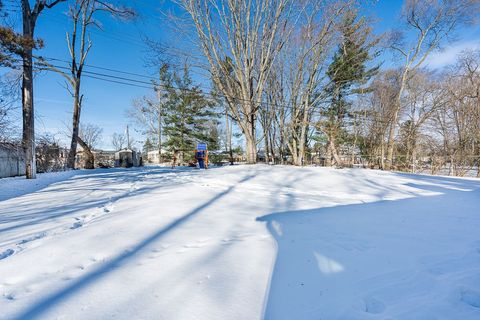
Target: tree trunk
{"points": [[294, 150], [382, 156], [478, 168], [251, 149], [229, 138], [303, 137], [159, 124], [272, 146], [390, 145], [334, 152], [251, 141], [28, 136], [228, 141], [328, 156], [267, 148], [77, 108], [391, 133], [414, 160], [90, 159]]}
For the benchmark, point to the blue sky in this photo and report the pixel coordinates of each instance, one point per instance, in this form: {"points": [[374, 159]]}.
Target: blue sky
{"points": [[119, 46]]}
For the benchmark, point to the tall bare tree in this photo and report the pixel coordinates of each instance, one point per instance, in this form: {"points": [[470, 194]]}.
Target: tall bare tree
{"points": [[425, 96], [431, 22], [306, 54], [240, 39], [82, 14], [459, 120]]}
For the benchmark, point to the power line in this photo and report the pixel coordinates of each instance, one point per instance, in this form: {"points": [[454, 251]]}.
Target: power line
{"points": [[116, 81], [153, 85]]}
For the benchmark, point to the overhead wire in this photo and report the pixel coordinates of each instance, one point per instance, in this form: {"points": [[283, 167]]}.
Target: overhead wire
{"points": [[153, 84]]}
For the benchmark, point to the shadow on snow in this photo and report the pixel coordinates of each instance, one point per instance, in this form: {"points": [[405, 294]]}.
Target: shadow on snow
{"points": [[44, 305], [330, 260]]}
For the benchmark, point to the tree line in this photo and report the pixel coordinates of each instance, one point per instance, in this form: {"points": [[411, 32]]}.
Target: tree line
{"points": [[305, 81], [17, 52]]}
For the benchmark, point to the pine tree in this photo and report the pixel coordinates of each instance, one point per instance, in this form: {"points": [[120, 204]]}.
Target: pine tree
{"points": [[188, 115], [148, 146], [348, 74]]}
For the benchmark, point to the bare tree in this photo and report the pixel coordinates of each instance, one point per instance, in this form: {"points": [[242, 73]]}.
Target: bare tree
{"points": [[9, 96], [147, 113], [240, 40], [91, 134], [306, 53], [431, 22], [459, 120], [374, 112], [425, 96], [82, 14], [119, 141]]}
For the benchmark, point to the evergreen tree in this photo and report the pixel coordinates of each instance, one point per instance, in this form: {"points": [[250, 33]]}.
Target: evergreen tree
{"points": [[148, 146], [188, 115], [348, 74]]}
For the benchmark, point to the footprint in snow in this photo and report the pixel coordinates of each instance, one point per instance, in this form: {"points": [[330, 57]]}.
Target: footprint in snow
{"points": [[9, 296], [471, 297], [33, 238], [193, 245], [230, 241], [7, 253], [374, 306], [108, 208], [77, 225]]}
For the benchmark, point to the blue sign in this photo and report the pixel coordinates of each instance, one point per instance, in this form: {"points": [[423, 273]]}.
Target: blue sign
{"points": [[201, 146]]}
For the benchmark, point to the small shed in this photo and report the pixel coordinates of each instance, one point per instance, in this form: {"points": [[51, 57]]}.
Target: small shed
{"points": [[128, 158], [12, 160]]}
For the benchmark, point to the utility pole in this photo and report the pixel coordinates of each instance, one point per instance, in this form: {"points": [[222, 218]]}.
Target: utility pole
{"points": [[159, 129], [129, 147], [229, 136]]}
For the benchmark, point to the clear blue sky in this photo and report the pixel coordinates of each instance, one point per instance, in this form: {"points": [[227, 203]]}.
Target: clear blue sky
{"points": [[119, 46]]}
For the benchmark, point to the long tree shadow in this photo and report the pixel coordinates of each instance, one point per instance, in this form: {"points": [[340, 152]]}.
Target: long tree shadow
{"points": [[44, 305], [362, 260], [19, 186], [31, 210]]}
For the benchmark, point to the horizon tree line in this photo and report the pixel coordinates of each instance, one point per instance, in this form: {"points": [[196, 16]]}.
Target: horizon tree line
{"points": [[302, 80]]}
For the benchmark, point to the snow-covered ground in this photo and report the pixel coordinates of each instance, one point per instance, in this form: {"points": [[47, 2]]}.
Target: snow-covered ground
{"points": [[242, 242]]}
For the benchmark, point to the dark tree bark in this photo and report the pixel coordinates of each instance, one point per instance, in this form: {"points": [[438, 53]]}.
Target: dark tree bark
{"points": [[89, 159], [29, 20]]}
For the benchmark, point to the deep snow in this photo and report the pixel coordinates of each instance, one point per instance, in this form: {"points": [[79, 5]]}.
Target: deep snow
{"points": [[242, 242]]}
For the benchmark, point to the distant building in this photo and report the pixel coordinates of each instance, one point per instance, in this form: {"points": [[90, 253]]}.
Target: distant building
{"points": [[104, 159], [153, 156], [108, 159], [128, 158], [12, 160]]}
